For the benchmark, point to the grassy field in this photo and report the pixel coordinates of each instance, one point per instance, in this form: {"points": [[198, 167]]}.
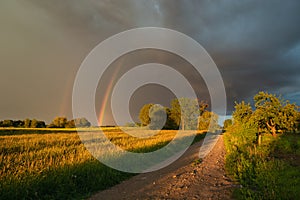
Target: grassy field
{"points": [[56, 165], [268, 171]]}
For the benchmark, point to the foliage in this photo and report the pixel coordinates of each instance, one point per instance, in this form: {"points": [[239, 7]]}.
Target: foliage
{"points": [[271, 114], [58, 122], [208, 120], [227, 123], [265, 171], [27, 123], [81, 122], [158, 116], [242, 112], [144, 114], [185, 112], [274, 113]]}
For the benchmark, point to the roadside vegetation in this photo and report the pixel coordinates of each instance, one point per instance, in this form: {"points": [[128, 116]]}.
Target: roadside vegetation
{"points": [[263, 149]]}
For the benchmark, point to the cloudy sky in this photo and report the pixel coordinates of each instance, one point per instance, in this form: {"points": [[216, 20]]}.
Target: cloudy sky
{"points": [[255, 44]]}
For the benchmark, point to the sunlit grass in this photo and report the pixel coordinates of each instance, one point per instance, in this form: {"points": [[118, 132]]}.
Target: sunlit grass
{"points": [[57, 165]]}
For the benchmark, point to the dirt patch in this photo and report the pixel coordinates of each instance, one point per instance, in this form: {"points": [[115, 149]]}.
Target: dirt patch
{"points": [[183, 179]]}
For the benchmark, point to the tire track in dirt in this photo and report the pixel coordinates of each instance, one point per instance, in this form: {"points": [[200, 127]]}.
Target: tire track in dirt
{"points": [[183, 179]]}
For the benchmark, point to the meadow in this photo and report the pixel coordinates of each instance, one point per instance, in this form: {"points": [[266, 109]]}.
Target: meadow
{"points": [[267, 171], [54, 163]]}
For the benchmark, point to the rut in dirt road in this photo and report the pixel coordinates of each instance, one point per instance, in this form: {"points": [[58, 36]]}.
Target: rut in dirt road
{"points": [[183, 179]]}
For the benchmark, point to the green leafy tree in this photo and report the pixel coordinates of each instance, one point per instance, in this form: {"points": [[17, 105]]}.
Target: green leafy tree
{"points": [[273, 113], [227, 123], [170, 123], [82, 122], [185, 113], [7, 123], [58, 122], [34, 123], [41, 124], [242, 112], [27, 123], [144, 114], [158, 117], [208, 120], [70, 124], [18, 124]]}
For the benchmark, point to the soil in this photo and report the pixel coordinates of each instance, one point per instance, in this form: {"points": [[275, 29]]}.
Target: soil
{"points": [[183, 179]]}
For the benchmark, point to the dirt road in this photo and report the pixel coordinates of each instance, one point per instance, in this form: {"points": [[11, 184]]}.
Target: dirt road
{"points": [[183, 179]]}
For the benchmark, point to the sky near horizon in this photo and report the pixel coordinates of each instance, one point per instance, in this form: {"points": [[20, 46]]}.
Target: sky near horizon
{"points": [[255, 44]]}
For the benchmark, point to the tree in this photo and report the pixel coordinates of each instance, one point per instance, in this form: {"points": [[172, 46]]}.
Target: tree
{"points": [[70, 124], [185, 112], [7, 123], [144, 114], [227, 123], [27, 123], [170, 123], [58, 122], [208, 120], [242, 112], [34, 123], [273, 113], [18, 124], [40, 124], [82, 122], [158, 117]]}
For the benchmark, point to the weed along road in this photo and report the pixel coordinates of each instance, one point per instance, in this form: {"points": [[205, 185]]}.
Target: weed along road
{"points": [[186, 178]]}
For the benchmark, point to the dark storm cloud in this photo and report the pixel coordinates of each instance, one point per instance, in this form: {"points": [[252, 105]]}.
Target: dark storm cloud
{"points": [[255, 44]]}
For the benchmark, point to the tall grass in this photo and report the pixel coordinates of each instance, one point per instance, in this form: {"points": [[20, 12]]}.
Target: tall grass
{"points": [[57, 165], [265, 171]]}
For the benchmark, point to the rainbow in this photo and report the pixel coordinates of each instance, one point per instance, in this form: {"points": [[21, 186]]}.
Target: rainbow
{"points": [[107, 94]]}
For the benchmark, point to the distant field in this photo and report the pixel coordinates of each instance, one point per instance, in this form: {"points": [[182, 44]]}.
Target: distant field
{"points": [[54, 164], [22, 131]]}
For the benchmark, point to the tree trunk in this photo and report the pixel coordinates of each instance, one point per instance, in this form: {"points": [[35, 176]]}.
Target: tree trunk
{"points": [[182, 124], [258, 137], [272, 127], [273, 130]]}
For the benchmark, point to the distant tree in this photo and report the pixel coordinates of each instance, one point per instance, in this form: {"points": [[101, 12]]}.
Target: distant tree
{"points": [[82, 122], [185, 113], [158, 116], [242, 112], [34, 123], [58, 122], [208, 120], [7, 123], [27, 123], [170, 123], [227, 123], [273, 113], [18, 124], [144, 114], [41, 124], [70, 124]]}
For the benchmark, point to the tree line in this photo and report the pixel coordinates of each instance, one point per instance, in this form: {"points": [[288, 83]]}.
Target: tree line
{"points": [[184, 113], [58, 122]]}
